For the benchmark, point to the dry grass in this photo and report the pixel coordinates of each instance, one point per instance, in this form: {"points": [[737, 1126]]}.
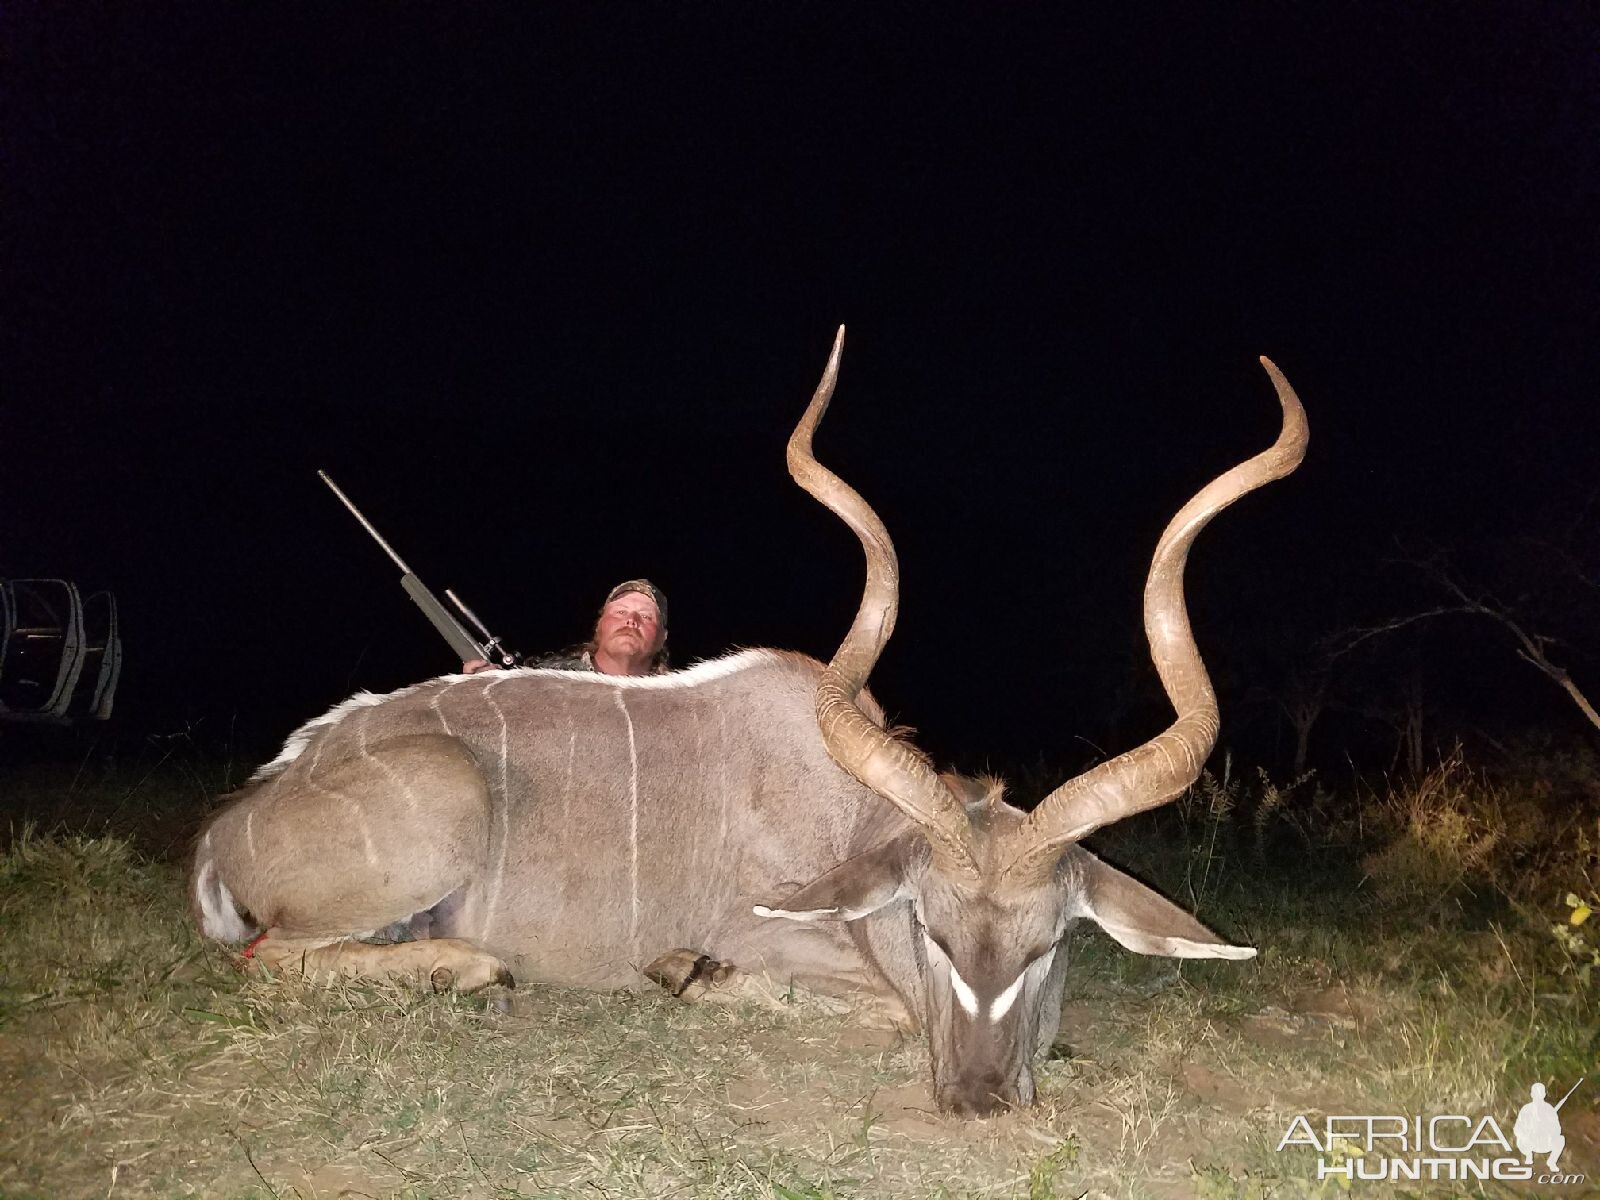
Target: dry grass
{"points": [[137, 1062]]}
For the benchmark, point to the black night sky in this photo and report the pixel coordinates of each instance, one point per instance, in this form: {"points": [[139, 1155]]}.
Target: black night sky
{"points": [[545, 288]]}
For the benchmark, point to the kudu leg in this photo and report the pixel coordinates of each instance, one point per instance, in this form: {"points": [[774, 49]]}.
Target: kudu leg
{"points": [[440, 963], [322, 856], [700, 979]]}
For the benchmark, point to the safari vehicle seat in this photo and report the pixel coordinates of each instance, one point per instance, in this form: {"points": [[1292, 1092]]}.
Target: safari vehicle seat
{"points": [[60, 653]]}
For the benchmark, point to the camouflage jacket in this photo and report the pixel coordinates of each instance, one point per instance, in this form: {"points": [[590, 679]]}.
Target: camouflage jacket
{"points": [[574, 658]]}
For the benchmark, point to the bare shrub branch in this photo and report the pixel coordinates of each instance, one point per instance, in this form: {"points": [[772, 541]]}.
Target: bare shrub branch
{"points": [[1532, 647]]}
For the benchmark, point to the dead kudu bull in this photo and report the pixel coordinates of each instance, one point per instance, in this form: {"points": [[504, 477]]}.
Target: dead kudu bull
{"points": [[744, 824]]}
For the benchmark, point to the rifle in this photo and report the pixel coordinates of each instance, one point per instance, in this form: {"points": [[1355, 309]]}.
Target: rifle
{"points": [[491, 649]]}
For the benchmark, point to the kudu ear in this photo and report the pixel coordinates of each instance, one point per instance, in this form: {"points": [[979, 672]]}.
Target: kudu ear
{"points": [[857, 886], [1145, 921]]}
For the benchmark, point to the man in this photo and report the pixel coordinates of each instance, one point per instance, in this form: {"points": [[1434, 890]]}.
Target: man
{"points": [[630, 636], [1538, 1127]]}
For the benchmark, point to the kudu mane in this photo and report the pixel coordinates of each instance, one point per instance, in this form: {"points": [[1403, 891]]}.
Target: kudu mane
{"points": [[696, 675]]}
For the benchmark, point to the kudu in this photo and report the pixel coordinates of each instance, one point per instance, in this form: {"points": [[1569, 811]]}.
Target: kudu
{"points": [[721, 829]]}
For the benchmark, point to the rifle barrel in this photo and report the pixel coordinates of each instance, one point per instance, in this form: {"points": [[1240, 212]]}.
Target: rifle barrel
{"points": [[1568, 1096], [365, 524]]}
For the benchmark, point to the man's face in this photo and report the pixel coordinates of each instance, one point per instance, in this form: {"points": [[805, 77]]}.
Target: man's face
{"points": [[629, 626]]}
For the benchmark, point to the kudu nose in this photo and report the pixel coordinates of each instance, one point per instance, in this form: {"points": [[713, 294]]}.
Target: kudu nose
{"points": [[982, 1096]]}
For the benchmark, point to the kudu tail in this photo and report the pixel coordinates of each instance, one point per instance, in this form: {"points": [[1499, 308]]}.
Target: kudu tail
{"points": [[216, 913]]}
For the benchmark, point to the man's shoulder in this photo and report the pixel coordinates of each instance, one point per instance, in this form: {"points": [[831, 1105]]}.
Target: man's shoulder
{"points": [[574, 658]]}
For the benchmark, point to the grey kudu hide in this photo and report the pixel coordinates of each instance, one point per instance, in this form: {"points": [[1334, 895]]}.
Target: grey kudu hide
{"points": [[746, 823]]}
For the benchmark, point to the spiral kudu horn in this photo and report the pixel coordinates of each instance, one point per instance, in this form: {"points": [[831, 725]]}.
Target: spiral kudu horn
{"points": [[894, 769], [1163, 767]]}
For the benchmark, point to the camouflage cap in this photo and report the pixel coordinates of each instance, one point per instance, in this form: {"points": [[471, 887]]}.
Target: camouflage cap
{"points": [[645, 588]]}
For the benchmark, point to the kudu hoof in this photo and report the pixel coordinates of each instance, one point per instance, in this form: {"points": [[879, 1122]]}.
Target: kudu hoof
{"points": [[471, 972], [444, 979], [679, 970]]}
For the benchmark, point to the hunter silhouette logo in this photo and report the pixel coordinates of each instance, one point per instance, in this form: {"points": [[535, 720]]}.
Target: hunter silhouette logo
{"points": [[1444, 1147], [1538, 1127]]}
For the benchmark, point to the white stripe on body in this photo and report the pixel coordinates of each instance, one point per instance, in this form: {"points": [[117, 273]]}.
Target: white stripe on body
{"points": [[572, 755], [360, 814], [633, 825], [439, 712], [394, 777], [727, 881], [369, 851], [493, 901]]}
